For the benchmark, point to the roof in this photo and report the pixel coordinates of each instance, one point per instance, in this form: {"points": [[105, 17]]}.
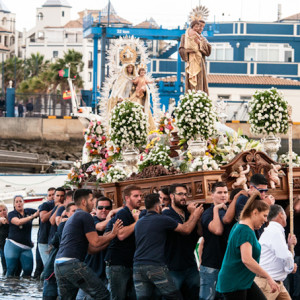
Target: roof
{"points": [[240, 80], [56, 3], [3, 7], [147, 24], [74, 24], [295, 17], [115, 19]]}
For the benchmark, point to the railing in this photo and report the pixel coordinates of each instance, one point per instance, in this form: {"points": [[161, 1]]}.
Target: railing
{"points": [[39, 105]]}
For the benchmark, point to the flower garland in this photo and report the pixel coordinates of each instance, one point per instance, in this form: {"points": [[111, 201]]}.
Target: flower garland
{"points": [[128, 125], [205, 163], [159, 155], [268, 113], [115, 174], [95, 139], [195, 116]]}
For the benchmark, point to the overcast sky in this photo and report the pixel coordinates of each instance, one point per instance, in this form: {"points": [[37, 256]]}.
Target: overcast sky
{"points": [[169, 13]]}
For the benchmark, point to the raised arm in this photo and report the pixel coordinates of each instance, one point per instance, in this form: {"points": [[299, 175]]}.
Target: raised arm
{"points": [[18, 222], [216, 226], [230, 213], [99, 243], [45, 215], [188, 226], [126, 231]]}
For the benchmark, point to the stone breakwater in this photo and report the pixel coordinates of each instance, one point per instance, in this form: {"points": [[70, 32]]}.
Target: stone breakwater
{"points": [[69, 150]]}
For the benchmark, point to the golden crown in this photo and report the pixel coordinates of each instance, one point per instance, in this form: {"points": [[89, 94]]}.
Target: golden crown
{"points": [[128, 55], [199, 13], [142, 66]]}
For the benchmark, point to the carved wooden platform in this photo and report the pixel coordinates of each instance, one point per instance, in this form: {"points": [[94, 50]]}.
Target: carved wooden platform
{"points": [[199, 183]]}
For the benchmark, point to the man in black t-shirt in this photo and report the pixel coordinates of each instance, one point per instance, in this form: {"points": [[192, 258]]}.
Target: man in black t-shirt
{"points": [[215, 241], [104, 213], [44, 224], [181, 262], [59, 197], [149, 259], [119, 255], [79, 236]]}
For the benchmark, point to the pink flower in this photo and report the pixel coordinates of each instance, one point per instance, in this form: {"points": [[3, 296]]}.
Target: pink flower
{"points": [[98, 122]]}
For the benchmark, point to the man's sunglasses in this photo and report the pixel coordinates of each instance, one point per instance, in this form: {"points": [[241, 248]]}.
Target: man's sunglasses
{"points": [[105, 207], [261, 190]]}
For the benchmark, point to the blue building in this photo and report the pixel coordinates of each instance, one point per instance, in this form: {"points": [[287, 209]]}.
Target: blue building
{"points": [[247, 48]]}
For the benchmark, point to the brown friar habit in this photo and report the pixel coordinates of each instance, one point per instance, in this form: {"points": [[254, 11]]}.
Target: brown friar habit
{"points": [[205, 49]]}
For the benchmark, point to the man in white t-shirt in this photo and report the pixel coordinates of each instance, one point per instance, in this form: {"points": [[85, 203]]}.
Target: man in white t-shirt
{"points": [[276, 257]]}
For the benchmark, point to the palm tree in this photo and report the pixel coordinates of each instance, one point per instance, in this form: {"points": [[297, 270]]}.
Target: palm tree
{"points": [[13, 70], [73, 59], [35, 64]]}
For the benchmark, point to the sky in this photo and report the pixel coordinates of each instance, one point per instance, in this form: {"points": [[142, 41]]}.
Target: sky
{"points": [[168, 13]]}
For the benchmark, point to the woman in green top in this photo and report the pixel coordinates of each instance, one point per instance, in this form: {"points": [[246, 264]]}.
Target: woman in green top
{"points": [[240, 263]]}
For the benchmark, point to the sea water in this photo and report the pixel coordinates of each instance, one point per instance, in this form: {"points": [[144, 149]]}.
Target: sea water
{"points": [[15, 288]]}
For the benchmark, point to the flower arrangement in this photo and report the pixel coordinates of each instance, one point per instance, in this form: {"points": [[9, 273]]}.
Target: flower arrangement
{"points": [[203, 163], [226, 147], [268, 113], [76, 175], [128, 125], [159, 155], [99, 169], [95, 139], [112, 151], [165, 124], [195, 115], [284, 159], [115, 174]]}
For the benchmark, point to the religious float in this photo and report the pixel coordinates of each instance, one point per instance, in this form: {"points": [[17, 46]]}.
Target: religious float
{"points": [[134, 141]]}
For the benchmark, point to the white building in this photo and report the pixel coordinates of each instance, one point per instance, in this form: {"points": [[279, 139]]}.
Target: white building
{"points": [[55, 33], [8, 41]]}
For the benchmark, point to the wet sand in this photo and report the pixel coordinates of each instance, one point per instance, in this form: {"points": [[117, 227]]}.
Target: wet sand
{"points": [[23, 288]]}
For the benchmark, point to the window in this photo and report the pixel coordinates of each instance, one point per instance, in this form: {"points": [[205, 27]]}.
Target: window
{"points": [[55, 54], [223, 97], [62, 13], [269, 52], [90, 55], [4, 21], [40, 16], [245, 98], [221, 51], [90, 77]]}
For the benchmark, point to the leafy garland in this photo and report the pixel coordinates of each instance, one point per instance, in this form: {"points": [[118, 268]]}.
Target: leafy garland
{"points": [[128, 125], [268, 113], [195, 115]]}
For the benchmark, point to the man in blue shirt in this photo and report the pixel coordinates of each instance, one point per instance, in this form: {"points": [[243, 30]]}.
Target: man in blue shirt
{"points": [[104, 213], [119, 255], [182, 263], [79, 236], [44, 228], [215, 241], [150, 268]]}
